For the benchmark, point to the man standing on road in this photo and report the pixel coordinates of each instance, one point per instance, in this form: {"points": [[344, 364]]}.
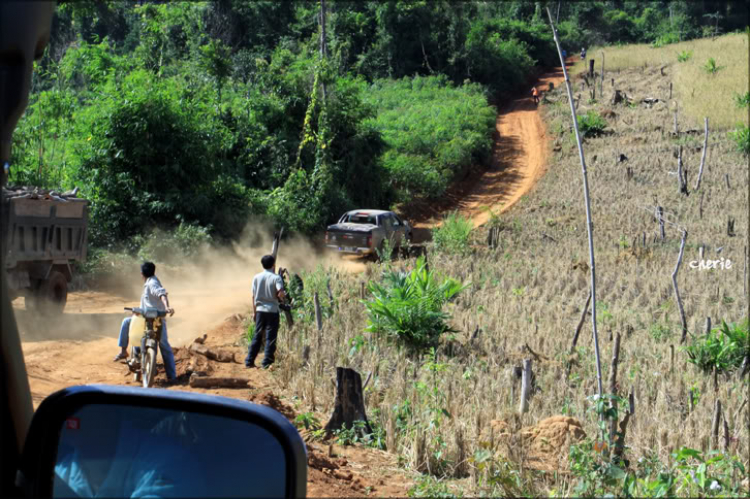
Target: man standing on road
{"points": [[154, 296], [268, 292], [535, 94]]}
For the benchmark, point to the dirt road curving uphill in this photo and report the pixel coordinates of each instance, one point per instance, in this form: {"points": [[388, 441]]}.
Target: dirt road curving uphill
{"points": [[519, 159], [78, 348]]}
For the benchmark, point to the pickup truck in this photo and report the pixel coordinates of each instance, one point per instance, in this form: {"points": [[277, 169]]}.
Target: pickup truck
{"points": [[42, 233], [361, 232]]}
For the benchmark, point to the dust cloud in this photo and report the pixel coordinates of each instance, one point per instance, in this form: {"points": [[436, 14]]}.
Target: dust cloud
{"points": [[203, 289]]}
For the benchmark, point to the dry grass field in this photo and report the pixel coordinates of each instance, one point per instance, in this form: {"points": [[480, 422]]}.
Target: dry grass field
{"points": [[526, 298], [698, 93]]}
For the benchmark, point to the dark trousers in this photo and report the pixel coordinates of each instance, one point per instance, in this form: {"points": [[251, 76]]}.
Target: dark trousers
{"points": [[266, 324]]}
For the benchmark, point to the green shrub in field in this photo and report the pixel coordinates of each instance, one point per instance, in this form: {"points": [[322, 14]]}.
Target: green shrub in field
{"points": [[591, 124], [428, 486], [301, 290], [711, 67], [742, 100], [407, 308], [452, 235], [684, 56], [600, 470], [741, 137], [723, 348], [660, 331], [690, 473]]}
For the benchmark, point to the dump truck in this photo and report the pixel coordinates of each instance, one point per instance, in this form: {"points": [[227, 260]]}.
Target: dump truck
{"points": [[362, 232], [43, 233]]}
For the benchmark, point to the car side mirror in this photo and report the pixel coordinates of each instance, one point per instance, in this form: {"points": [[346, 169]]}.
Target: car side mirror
{"points": [[111, 441]]}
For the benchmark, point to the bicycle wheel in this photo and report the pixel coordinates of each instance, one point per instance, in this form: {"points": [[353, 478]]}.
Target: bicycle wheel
{"points": [[149, 367]]}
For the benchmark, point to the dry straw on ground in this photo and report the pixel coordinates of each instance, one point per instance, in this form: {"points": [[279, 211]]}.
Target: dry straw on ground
{"points": [[698, 92], [528, 294]]}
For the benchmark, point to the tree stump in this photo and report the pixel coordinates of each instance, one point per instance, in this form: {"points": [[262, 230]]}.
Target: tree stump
{"points": [[620, 97], [349, 404]]}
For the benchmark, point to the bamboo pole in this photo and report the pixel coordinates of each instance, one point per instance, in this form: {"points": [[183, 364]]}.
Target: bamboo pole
{"points": [[677, 290], [525, 386], [589, 223], [703, 155], [318, 314]]}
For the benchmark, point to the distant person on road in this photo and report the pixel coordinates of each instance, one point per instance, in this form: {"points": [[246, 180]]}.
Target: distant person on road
{"points": [[535, 94], [583, 54], [154, 296], [268, 292], [564, 54]]}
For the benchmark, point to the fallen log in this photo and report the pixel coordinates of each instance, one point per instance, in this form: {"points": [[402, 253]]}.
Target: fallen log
{"points": [[197, 381], [217, 355]]}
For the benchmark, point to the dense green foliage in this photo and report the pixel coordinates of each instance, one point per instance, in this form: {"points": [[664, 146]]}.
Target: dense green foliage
{"points": [[591, 124], [453, 234], [432, 130], [723, 349], [741, 137], [407, 308], [208, 113]]}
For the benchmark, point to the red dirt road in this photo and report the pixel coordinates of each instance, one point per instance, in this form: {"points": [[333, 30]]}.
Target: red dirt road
{"points": [[519, 159], [78, 347]]}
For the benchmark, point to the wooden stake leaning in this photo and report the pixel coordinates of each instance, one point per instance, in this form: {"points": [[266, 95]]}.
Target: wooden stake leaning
{"points": [[677, 290], [589, 223], [703, 155], [525, 386]]}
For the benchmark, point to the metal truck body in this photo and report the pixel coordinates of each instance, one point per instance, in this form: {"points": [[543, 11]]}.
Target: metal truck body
{"points": [[41, 236], [362, 232]]}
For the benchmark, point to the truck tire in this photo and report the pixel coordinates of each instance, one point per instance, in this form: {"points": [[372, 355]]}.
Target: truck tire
{"points": [[51, 295]]}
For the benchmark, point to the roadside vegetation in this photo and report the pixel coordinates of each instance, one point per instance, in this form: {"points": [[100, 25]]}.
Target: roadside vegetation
{"points": [[452, 415], [179, 117], [711, 78], [210, 113]]}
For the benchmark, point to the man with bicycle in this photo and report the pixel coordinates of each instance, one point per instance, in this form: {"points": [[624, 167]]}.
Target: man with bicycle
{"points": [[154, 296]]}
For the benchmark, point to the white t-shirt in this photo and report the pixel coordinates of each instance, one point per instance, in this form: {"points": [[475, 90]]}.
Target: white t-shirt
{"points": [[266, 285]]}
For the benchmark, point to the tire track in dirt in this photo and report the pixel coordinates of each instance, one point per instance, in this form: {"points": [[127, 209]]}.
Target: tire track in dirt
{"points": [[519, 160]]}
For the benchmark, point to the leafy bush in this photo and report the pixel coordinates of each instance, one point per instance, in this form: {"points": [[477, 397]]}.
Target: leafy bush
{"points": [[452, 235], [691, 473], [307, 420], [666, 39], [428, 486], [660, 332], [723, 348], [741, 137], [184, 241], [432, 129], [591, 124], [301, 290], [711, 67], [684, 56], [408, 307], [357, 434], [742, 100]]}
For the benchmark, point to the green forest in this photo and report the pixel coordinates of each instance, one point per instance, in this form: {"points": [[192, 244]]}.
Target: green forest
{"points": [[196, 116]]}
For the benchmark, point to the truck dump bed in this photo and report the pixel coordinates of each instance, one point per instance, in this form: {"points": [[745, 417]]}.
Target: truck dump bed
{"points": [[43, 226]]}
